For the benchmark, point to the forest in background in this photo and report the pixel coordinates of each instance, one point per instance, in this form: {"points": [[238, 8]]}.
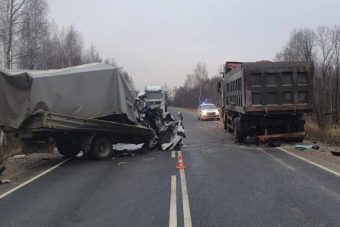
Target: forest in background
{"points": [[29, 39]]}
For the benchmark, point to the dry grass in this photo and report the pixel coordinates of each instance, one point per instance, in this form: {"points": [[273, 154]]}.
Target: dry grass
{"points": [[329, 135]]}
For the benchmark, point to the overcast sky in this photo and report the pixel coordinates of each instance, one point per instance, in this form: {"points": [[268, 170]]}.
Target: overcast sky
{"points": [[159, 42]]}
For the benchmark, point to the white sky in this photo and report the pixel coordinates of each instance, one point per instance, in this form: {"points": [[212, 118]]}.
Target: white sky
{"points": [[159, 42]]}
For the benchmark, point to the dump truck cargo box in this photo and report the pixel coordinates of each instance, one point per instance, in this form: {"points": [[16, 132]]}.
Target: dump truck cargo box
{"points": [[270, 87]]}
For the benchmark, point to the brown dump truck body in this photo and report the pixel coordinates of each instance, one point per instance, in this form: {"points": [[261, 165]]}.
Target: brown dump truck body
{"points": [[267, 98], [270, 86]]}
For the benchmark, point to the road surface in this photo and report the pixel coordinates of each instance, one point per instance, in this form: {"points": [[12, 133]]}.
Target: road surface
{"points": [[223, 184]]}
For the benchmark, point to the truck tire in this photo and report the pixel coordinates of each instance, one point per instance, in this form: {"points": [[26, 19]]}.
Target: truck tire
{"points": [[101, 148], [238, 130], [68, 149]]}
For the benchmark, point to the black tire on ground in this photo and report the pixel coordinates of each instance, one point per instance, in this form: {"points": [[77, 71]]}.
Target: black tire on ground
{"points": [[238, 130], [68, 149], [101, 148], [225, 124]]}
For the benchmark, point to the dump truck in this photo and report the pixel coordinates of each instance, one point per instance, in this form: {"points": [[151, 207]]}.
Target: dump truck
{"points": [[85, 108], [266, 100]]}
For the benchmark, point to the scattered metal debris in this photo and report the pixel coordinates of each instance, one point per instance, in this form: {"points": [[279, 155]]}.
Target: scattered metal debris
{"points": [[5, 181], [302, 147], [122, 163], [18, 156], [335, 153]]}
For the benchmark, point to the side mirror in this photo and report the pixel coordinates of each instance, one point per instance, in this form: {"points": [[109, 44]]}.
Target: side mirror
{"points": [[219, 85]]}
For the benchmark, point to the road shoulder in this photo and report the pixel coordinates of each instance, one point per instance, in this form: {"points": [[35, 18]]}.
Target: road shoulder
{"points": [[21, 168], [321, 157]]}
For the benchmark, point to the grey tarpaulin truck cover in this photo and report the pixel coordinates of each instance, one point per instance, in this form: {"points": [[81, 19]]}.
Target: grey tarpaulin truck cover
{"points": [[87, 91]]}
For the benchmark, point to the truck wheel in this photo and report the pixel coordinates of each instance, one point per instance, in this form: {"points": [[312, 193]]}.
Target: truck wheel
{"points": [[101, 148], [238, 130], [68, 149]]}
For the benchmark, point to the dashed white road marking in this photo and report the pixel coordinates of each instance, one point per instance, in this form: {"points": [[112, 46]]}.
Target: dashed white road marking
{"points": [[173, 154], [33, 179], [185, 198], [173, 205], [310, 162]]}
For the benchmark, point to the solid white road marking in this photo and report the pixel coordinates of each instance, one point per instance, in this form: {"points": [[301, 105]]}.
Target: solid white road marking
{"points": [[310, 162], [185, 198], [173, 154], [34, 178], [173, 206]]}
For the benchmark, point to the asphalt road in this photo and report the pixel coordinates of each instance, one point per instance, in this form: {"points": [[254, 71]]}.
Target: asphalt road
{"points": [[227, 185]]}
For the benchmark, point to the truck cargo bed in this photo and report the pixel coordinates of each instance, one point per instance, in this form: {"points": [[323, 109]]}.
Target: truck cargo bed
{"points": [[270, 86], [51, 122]]}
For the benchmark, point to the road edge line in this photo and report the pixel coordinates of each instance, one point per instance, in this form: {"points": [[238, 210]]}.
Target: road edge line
{"points": [[310, 162], [173, 203], [185, 200], [33, 179]]}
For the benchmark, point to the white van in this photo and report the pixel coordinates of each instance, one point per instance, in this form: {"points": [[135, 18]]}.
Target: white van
{"points": [[156, 97]]}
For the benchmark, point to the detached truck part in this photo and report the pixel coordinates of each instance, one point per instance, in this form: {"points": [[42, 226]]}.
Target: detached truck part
{"points": [[266, 99], [88, 108]]}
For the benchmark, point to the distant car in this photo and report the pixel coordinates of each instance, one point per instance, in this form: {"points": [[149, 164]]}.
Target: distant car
{"points": [[208, 111]]}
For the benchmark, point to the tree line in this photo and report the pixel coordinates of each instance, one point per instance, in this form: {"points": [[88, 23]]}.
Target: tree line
{"points": [[198, 87], [30, 40], [322, 46]]}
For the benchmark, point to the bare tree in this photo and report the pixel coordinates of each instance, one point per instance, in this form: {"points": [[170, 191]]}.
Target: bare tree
{"points": [[300, 46], [92, 55], [73, 46], [198, 78], [33, 31], [10, 18], [336, 62], [324, 38], [111, 62]]}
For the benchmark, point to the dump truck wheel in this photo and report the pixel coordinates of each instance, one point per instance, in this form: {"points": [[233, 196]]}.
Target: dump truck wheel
{"points": [[68, 149], [101, 148], [238, 130]]}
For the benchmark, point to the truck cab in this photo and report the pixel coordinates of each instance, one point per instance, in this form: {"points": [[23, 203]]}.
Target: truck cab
{"points": [[156, 97]]}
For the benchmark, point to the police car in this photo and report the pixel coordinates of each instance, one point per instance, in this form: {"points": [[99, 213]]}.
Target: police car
{"points": [[208, 111]]}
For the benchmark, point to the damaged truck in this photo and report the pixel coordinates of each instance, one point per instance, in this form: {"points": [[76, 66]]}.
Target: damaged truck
{"points": [[85, 108], [266, 100]]}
